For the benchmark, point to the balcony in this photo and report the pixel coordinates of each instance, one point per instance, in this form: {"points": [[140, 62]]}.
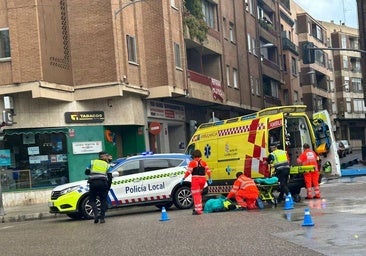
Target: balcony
{"points": [[287, 45]]}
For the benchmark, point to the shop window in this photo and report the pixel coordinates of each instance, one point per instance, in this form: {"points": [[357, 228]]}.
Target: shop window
{"points": [[37, 161]]}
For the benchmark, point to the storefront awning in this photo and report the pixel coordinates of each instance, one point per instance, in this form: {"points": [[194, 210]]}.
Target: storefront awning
{"points": [[35, 131]]}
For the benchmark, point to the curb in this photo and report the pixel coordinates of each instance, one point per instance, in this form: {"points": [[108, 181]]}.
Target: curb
{"points": [[26, 217]]}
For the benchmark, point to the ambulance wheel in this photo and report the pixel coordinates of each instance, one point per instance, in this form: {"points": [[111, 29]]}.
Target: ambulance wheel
{"points": [[86, 208], [182, 198], [75, 215], [165, 205]]}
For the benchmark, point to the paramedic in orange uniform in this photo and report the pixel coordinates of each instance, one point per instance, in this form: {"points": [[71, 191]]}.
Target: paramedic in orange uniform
{"points": [[199, 169], [245, 192], [309, 157]]}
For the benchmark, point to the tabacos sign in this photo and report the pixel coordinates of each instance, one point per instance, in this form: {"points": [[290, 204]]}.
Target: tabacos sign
{"points": [[84, 117]]}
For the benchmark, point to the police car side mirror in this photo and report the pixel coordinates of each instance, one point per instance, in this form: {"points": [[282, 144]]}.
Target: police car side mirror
{"points": [[115, 174]]}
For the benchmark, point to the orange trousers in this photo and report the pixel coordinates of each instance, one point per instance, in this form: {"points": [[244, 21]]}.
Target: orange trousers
{"points": [[312, 181], [197, 186], [247, 199]]}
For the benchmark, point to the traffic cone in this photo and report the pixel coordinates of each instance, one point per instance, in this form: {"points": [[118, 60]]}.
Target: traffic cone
{"points": [[307, 218], [164, 215], [289, 204]]}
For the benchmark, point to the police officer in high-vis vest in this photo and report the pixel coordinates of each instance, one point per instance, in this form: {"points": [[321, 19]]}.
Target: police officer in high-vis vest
{"points": [[99, 184], [279, 159]]}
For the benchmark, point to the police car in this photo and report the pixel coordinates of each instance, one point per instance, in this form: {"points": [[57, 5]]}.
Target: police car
{"points": [[147, 179]]}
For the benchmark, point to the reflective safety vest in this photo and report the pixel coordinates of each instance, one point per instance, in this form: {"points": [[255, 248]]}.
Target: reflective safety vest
{"points": [[99, 167], [309, 157], [280, 157]]}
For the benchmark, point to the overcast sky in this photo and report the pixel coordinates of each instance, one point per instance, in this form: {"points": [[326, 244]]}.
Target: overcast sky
{"points": [[336, 10]]}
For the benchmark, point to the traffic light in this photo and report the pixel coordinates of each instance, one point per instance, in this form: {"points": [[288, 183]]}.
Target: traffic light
{"points": [[308, 53]]}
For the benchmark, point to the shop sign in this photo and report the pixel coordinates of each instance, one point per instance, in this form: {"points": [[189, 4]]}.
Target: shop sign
{"points": [[87, 147], [33, 150], [217, 91], [84, 117], [170, 111], [5, 159]]}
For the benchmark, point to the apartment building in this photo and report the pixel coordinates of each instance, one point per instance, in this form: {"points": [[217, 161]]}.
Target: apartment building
{"points": [[350, 113], [316, 78], [77, 77], [290, 54]]}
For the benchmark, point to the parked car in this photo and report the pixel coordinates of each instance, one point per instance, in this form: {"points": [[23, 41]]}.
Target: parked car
{"points": [[347, 146], [147, 179], [341, 150]]}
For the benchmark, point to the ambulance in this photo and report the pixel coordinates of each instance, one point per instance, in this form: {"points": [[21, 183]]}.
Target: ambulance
{"points": [[241, 144]]}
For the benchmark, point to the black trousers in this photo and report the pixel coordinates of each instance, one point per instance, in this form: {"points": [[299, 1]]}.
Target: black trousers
{"points": [[282, 174], [98, 188]]}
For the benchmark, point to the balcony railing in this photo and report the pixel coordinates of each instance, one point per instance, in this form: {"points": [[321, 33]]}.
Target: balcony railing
{"points": [[199, 78], [290, 46]]}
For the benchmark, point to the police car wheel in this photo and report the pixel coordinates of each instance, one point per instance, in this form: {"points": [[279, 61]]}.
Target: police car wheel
{"points": [[86, 208], [182, 198]]}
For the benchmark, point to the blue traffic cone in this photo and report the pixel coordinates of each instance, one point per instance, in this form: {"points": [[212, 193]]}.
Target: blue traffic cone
{"points": [[164, 215], [291, 199], [307, 218], [288, 203]]}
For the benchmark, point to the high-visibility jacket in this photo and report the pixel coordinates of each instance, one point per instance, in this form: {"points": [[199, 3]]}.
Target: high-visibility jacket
{"points": [[98, 168], [194, 164], [309, 157], [280, 158], [243, 183]]}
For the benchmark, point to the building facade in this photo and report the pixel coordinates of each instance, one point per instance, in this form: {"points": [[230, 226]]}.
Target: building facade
{"points": [[126, 76]]}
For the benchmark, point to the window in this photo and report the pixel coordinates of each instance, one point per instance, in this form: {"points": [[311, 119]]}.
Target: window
{"points": [[235, 77], [343, 42], [178, 62], [246, 5], [232, 32], [345, 62], [131, 49], [257, 87], [209, 10], [274, 89], [249, 39], [4, 43], [252, 84], [254, 47], [348, 105], [224, 27], [251, 5], [228, 75], [294, 66], [296, 96], [129, 168], [172, 3], [356, 84], [358, 105]]}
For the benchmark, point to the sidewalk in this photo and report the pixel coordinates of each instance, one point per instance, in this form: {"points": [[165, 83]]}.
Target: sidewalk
{"points": [[27, 212]]}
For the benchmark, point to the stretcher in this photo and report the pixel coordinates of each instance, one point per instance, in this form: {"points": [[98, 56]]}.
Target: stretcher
{"points": [[266, 186]]}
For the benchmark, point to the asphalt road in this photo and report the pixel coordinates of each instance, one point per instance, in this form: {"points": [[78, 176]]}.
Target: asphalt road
{"points": [[339, 229]]}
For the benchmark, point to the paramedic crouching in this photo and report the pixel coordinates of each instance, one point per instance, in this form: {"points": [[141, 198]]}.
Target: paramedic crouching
{"points": [[279, 159]]}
